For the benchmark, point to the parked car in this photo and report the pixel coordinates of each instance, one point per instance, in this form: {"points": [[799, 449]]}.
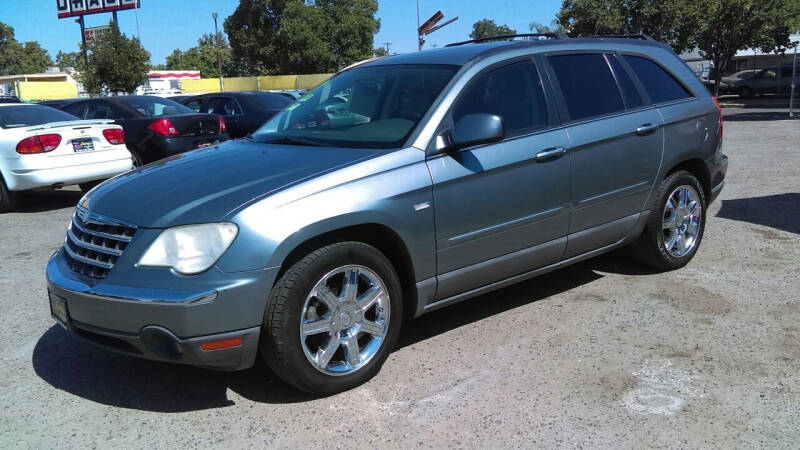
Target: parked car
{"points": [[60, 103], [291, 94], [471, 167], [772, 80], [154, 127], [243, 112], [740, 75], [42, 147]]}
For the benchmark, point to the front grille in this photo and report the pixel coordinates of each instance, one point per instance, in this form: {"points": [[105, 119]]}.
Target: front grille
{"points": [[94, 243]]}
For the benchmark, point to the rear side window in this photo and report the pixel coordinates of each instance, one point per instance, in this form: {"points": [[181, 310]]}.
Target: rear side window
{"points": [[29, 115], [224, 106], [629, 91], [513, 93], [587, 84], [660, 85]]}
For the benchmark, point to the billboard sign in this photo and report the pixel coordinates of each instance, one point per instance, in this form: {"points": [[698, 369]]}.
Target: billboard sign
{"points": [[73, 8], [90, 33]]}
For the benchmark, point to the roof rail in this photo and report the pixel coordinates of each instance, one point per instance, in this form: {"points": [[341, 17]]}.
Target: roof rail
{"points": [[509, 37], [641, 36]]}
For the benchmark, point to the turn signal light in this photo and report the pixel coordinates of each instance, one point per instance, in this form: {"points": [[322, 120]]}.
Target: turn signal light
{"points": [[114, 136], [224, 343], [38, 144], [164, 127]]}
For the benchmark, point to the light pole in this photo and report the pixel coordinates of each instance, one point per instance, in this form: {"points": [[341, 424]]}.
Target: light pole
{"points": [[219, 56]]}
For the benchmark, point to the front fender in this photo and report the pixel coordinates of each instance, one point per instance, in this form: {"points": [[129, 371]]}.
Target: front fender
{"points": [[399, 198]]}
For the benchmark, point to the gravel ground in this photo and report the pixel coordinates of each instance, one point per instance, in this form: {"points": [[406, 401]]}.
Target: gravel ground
{"points": [[601, 354]]}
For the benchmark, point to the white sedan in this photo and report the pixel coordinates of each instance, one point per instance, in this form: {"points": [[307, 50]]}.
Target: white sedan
{"points": [[42, 147]]}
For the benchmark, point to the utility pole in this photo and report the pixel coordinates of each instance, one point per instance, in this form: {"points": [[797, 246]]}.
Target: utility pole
{"points": [[794, 83], [83, 40], [435, 45], [387, 44], [219, 55], [419, 35]]}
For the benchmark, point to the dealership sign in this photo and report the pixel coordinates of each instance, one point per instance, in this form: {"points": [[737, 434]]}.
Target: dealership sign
{"points": [[72, 8]]}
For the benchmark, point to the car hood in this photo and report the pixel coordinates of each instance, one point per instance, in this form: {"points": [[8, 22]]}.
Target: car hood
{"points": [[205, 185]]}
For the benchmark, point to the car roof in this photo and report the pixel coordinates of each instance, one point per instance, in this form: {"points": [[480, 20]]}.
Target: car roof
{"points": [[466, 52]]}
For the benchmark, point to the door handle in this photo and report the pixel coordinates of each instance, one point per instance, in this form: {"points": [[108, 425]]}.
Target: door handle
{"points": [[646, 129], [551, 154]]}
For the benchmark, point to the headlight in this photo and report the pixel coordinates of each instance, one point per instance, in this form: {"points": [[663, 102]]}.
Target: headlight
{"points": [[190, 249]]}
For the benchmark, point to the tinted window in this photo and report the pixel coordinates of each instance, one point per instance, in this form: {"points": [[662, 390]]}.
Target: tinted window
{"points": [[375, 106], [786, 71], [28, 115], [224, 106], [587, 84], [271, 101], [660, 85], [75, 109], [195, 105], [154, 106], [629, 91], [513, 92], [98, 111]]}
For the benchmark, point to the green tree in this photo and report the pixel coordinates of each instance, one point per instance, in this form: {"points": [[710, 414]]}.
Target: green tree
{"points": [[19, 58], [69, 59], [293, 36], [116, 64], [734, 25], [486, 28], [671, 21], [378, 52], [203, 57]]}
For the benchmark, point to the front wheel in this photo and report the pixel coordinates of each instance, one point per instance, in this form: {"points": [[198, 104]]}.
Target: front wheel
{"points": [[676, 223], [333, 318]]}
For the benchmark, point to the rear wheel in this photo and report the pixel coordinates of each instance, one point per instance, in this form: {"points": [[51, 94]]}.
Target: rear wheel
{"points": [[8, 199], [333, 318], [137, 158], [676, 223]]}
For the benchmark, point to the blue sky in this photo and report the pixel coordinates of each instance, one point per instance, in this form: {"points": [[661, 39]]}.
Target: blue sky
{"points": [[169, 24]]}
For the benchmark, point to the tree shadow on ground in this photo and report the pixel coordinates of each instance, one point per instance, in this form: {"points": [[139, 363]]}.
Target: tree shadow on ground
{"points": [[781, 211]]}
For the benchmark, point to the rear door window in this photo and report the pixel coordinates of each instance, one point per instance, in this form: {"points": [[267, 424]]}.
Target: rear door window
{"points": [[224, 106], [513, 93], [629, 91], [661, 86], [587, 84]]}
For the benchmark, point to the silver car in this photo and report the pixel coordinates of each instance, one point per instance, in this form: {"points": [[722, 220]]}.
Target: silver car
{"points": [[400, 186]]}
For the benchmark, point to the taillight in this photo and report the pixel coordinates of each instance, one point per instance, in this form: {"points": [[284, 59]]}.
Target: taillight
{"points": [[164, 127], [38, 144], [719, 109], [222, 127], [114, 136]]}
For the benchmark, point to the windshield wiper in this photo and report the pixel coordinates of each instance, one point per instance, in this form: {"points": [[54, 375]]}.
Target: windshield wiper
{"points": [[286, 140]]}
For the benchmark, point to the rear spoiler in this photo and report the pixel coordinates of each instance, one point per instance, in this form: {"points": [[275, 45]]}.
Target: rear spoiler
{"points": [[68, 123]]}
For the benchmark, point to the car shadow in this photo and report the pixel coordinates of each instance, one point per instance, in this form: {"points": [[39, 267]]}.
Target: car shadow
{"points": [[50, 200], [757, 116], [779, 211], [69, 364]]}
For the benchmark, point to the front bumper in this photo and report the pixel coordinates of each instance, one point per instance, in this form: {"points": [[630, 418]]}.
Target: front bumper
{"points": [[166, 324]]}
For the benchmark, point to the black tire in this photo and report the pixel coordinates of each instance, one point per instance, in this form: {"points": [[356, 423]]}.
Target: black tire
{"points": [[137, 158], [650, 249], [280, 344], [89, 185], [8, 199], [746, 92]]}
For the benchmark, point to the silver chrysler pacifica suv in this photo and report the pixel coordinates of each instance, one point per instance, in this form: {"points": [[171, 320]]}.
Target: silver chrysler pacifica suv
{"points": [[401, 185]]}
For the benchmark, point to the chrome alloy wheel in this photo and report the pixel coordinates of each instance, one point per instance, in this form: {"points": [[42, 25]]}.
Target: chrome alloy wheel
{"points": [[680, 222], [344, 320]]}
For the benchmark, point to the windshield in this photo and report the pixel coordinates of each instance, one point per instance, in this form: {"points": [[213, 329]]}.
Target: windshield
{"points": [[29, 115], [155, 106], [369, 107]]}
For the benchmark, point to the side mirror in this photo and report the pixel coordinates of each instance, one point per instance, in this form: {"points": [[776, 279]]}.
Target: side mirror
{"points": [[474, 129]]}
